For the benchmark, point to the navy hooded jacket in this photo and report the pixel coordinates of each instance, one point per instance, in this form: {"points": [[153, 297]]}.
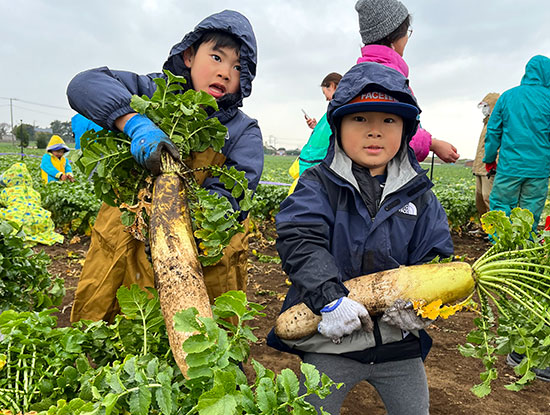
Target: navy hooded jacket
{"points": [[102, 95], [327, 236]]}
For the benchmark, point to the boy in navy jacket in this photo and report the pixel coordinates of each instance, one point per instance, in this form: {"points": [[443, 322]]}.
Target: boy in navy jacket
{"points": [[218, 57], [368, 207]]}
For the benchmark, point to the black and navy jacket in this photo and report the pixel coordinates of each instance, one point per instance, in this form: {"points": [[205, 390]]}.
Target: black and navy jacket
{"points": [[326, 234], [102, 95]]}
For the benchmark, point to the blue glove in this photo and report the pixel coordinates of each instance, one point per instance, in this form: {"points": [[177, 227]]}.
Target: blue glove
{"points": [[342, 317], [148, 142], [402, 314]]}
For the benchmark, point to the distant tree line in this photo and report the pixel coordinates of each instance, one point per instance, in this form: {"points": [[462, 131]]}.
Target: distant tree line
{"points": [[269, 150], [25, 133]]}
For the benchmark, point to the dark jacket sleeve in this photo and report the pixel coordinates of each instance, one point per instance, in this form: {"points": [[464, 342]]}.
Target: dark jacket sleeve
{"points": [[304, 236], [103, 95], [431, 236]]}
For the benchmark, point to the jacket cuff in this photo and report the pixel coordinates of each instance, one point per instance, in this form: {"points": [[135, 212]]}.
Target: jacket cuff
{"points": [[127, 109], [325, 294], [58, 175]]}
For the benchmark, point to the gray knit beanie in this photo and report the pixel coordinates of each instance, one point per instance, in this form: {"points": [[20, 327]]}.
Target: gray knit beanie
{"points": [[379, 18]]}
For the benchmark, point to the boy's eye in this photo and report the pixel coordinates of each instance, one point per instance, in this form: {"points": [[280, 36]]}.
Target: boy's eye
{"points": [[237, 67], [389, 120], [358, 118], [216, 58]]}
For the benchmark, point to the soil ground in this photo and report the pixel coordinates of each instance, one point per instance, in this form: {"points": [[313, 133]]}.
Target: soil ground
{"points": [[450, 375]]}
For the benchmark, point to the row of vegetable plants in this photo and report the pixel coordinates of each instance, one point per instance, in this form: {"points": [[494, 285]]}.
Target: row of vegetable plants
{"points": [[74, 206], [128, 367]]}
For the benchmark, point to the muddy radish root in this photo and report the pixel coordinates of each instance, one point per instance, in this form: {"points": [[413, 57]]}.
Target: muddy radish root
{"points": [[449, 282], [178, 272]]}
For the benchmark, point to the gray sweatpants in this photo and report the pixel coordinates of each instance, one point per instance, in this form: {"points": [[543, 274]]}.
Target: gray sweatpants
{"points": [[402, 385]]}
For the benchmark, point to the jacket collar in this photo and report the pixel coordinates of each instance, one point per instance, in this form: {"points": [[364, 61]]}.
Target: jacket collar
{"points": [[399, 171], [384, 55]]}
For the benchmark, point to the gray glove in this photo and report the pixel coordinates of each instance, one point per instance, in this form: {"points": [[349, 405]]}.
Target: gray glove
{"points": [[403, 315], [342, 317]]}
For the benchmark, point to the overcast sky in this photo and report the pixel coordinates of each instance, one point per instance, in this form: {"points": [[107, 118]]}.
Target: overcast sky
{"points": [[459, 51]]}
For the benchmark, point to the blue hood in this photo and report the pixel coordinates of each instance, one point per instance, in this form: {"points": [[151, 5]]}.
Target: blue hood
{"points": [[233, 23], [537, 72]]}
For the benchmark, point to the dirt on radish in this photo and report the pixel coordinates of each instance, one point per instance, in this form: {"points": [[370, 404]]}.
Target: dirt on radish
{"points": [[450, 375]]}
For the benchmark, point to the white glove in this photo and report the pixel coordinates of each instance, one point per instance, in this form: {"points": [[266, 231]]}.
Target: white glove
{"points": [[342, 317], [403, 315]]}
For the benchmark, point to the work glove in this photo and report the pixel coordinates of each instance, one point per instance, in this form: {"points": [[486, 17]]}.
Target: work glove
{"points": [[148, 142], [491, 169], [402, 314], [342, 317]]}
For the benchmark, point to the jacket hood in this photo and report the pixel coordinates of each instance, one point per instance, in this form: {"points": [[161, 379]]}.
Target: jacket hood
{"points": [[537, 72], [491, 99], [366, 77], [16, 175], [233, 23], [56, 143]]}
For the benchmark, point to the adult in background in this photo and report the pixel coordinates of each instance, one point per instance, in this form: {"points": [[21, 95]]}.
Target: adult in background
{"points": [[519, 131], [316, 147], [315, 150], [384, 26], [484, 178]]}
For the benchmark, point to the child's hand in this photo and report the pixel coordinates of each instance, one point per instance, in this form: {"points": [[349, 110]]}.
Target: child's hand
{"points": [[148, 142], [342, 317], [402, 314]]}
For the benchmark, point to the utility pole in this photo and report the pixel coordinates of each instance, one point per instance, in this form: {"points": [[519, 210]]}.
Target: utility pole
{"points": [[11, 115], [21, 132]]}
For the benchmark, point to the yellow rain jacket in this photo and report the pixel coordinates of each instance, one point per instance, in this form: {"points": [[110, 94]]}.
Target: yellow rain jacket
{"points": [[294, 171], [52, 167], [116, 258], [22, 204]]}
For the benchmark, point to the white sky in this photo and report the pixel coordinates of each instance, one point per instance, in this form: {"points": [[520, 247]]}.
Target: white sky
{"points": [[459, 51]]}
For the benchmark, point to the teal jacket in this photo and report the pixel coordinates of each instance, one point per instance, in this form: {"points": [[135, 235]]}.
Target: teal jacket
{"points": [[316, 148], [520, 125]]}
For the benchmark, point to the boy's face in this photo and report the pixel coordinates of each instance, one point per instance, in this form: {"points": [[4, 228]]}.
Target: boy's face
{"points": [[58, 153], [214, 70], [371, 139]]}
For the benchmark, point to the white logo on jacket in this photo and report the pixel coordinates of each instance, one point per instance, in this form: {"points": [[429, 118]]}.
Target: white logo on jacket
{"points": [[409, 209]]}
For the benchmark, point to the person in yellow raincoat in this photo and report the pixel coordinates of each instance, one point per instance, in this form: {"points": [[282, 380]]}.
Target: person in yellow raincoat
{"points": [[54, 166], [21, 204]]}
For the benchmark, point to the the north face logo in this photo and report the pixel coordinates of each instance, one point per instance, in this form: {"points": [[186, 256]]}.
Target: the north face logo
{"points": [[409, 209]]}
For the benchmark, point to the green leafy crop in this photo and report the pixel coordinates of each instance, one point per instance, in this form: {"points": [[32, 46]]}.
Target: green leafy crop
{"points": [[120, 181], [25, 282], [513, 286], [127, 367]]}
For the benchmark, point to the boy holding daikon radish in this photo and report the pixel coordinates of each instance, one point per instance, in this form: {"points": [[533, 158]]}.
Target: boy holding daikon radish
{"points": [[219, 57], [368, 207]]}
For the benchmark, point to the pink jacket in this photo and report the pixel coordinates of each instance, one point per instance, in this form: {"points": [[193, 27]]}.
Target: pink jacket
{"points": [[386, 56]]}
